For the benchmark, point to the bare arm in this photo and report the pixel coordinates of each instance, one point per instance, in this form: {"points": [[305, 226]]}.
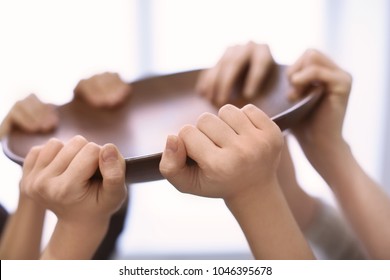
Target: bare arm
{"points": [[21, 239], [60, 179], [365, 204], [229, 149], [22, 234], [269, 226]]}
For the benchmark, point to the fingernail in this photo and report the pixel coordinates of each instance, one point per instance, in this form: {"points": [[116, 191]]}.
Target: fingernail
{"points": [[110, 154], [172, 144]]}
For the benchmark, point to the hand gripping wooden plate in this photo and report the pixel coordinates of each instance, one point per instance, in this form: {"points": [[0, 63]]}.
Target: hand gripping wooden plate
{"points": [[157, 107]]}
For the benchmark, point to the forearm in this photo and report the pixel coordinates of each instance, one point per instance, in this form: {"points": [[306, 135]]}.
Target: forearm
{"points": [[303, 206], [365, 204], [269, 226], [75, 241], [23, 233]]}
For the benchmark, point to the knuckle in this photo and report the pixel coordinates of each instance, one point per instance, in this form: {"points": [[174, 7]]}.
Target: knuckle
{"points": [[250, 108], [226, 110], [205, 118], [18, 105], [348, 77], [314, 70], [167, 170], [311, 55], [54, 142], [185, 131], [92, 147], [79, 139]]}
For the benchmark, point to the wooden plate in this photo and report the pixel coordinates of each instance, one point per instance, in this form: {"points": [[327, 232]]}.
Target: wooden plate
{"points": [[158, 106]]}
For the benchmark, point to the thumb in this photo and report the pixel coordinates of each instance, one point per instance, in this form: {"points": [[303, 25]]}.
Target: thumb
{"points": [[112, 167], [173, 164]]}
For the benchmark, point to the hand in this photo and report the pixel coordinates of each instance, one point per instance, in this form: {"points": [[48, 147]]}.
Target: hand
{"points": [[103, 91], [59, 175], [323, 129], [252, 60], [31, 115], [236, 152]]}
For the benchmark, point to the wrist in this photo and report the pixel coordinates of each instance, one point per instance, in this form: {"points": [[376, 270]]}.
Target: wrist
{"points": [[26, 202], [268, 224], [84, 226], [326, 153], [75, 240], [332, 162], [252, 196]]}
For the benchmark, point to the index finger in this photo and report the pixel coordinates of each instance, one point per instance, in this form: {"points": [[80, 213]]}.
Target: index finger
{"points": [[84, 164], [199, 147], [31, 158], [310, 56]]}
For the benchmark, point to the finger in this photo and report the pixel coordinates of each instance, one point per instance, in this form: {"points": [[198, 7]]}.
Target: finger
{"points": [[232, 68], [215, 129], [20, 118], [84, 164], [235, 118], [85, 89], [310, 57], [260, 65], [313, 56], [198, 146], [31, 158], [49, 118], [202, 83], [106, 89], [117, 94], [296, 66], [207, 81], [258, 118], [48, 153], [35, 111], [112, 168], [173, 162], [67, 153], [79, 88], [32, 115], [311, 75]]}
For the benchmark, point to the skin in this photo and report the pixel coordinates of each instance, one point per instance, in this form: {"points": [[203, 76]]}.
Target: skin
{"points": [[58, 176], [21, 238], [365, 204], [31, 115], [228, 150], [105, 90], [218, 83]]}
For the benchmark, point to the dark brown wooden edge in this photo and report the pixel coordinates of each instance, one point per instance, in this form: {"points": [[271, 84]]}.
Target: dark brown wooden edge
{"points": [[146, 168]]}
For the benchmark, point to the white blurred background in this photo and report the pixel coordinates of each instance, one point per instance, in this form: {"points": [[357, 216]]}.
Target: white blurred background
{"points": [[46, 47]]}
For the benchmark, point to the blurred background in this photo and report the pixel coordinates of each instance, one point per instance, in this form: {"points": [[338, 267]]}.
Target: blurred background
{"points": [[46, 47]]}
